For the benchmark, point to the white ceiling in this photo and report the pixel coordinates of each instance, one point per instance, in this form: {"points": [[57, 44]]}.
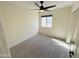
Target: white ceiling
{"points": [[31, 5]]}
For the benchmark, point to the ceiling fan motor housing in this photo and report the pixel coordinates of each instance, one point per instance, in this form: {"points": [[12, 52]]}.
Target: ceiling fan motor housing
{"points": [[41, 2]]}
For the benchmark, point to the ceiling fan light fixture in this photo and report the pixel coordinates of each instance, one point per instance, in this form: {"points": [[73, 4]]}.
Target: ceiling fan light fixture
{"points": [[41, 10]]}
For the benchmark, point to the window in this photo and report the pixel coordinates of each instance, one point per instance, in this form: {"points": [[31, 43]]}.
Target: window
{"points": [[46, 21]]}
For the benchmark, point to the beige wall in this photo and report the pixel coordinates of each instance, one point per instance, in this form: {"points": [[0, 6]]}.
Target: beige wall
{"points": [[60, 20], [19, 23]]}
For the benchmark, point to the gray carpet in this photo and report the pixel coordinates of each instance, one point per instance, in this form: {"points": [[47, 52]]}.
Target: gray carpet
{"points": [[39, 46]]}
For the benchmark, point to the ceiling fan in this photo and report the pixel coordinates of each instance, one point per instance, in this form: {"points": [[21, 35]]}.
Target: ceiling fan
{"points": [[42, 8]]}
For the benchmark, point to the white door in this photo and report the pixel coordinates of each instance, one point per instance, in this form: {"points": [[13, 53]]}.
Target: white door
{"points": [[4, 51], [76, 33]]}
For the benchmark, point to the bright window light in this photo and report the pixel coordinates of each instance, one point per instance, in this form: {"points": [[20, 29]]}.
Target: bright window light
{"points": [[43, 21], [49, 21], [46, 21]]}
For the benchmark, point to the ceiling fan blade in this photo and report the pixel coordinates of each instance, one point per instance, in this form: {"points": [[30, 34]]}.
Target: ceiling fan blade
{"points": [[50, 7], [37, 5]]}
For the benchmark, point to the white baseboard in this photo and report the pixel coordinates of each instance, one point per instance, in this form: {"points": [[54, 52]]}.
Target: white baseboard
{"points": [[5, 56]]}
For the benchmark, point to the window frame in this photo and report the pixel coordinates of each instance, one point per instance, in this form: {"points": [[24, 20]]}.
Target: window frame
{"points": [[46, 20]]}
